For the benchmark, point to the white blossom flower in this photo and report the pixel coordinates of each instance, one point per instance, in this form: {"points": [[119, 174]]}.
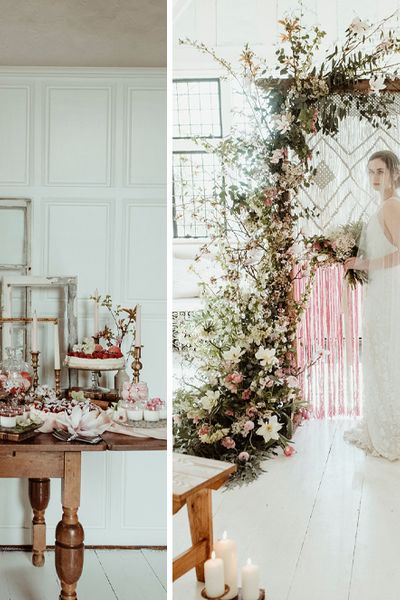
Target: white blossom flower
{"points": [[233, 354], [269, 429], [292, 381], [377, 83], [266, 356], [283, 122], [358, 26], [277, 155], [209, 400]]}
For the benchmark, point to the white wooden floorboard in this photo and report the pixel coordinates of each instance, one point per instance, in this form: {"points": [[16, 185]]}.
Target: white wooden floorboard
{"points": [[158, 562], [107, 575], [376, 572], [130, 575], [331, 532], [269, 518], [20, 580]]}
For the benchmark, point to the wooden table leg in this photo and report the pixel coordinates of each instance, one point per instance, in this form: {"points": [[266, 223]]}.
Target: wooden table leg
{"points": [[39, 495], [69, 532], [200, 521]]}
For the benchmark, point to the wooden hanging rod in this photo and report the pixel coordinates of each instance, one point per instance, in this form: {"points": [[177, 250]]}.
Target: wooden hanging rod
{"points": [[27, 320], [359, 87]]}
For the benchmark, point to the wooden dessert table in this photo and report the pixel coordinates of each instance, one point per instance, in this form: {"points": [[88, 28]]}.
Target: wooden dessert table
{"points": [[43, 457], [193, 480]]}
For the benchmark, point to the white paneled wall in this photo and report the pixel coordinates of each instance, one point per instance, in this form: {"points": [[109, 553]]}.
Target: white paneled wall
{"points": [[88, 147]]}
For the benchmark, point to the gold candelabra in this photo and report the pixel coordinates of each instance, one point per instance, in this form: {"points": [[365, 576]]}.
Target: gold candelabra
{"points": [[57, 377], [136, 364], [35, 366]]}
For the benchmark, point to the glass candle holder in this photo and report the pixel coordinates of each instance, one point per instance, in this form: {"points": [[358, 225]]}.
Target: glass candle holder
{"points": [[134, 411], [150, 414], [8, 417], [162, 411]]}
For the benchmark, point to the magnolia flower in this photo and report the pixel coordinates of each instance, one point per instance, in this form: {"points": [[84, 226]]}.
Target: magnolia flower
{"points": [[88, 346], [209, 400], [84, 422], [377, 83], [357, 26], [269, 429], [266, 356], [277, 155], [283, 122], [233, 354]]}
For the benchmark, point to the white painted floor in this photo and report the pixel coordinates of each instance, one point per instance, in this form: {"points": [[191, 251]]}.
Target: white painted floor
{"points": [[322, 524], [107, 575]]}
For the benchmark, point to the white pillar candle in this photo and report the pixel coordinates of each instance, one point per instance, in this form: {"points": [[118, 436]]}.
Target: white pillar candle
{"points": [[34, 333], [227, 550], [250, 581], [138, 326], [96, 312], [214, 577], [56, 348]]}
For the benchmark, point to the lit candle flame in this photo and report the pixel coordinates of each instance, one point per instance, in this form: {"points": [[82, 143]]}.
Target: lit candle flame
{"points": [[225, 535], [249, 561], [213, 555]]}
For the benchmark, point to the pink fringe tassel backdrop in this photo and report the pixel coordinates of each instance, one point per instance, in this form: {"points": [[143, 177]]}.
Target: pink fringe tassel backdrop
{"points": [[331, 328]]}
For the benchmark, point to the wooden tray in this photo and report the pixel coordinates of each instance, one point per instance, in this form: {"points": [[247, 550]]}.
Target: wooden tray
{"points": [[19, 434]]}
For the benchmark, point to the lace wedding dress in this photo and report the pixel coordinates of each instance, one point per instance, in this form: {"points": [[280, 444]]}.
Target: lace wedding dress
{"points": [[379, 430]]}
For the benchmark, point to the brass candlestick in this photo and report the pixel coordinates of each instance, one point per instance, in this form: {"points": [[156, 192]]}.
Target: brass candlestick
{"points": [[57, 377], [137, 365], [35, 366]]}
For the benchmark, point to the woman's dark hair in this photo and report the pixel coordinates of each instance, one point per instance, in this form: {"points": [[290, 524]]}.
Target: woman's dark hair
{"points": [[391, 161]]}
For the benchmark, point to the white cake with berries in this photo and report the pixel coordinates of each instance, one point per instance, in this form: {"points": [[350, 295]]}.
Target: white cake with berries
{"points": [[93, 357]]}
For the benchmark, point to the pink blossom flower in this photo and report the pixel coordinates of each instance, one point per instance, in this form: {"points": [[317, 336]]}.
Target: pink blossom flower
{"points": [[236, 377], [251, 411], [270, 384], [229, 412], [244, 456], [196, 420], [204, 429], [289, 450], [228, 442], [248, 426], [246, 394]]}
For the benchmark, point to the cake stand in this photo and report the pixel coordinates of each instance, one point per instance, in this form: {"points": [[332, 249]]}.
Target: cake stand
{"points": [[95, 389]]}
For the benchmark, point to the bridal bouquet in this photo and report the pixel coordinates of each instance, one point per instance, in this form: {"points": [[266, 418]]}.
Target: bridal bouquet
{"points": [[340, 244]]}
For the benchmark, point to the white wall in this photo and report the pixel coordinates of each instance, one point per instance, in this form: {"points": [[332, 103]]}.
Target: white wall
{"points": [[227, 25], [88, 147]]}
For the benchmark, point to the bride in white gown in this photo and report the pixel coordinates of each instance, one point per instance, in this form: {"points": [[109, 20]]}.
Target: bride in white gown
{"points": [[379, 430]]}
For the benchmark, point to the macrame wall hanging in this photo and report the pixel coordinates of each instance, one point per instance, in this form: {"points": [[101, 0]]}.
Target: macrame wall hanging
{"points": [[332, 324]]}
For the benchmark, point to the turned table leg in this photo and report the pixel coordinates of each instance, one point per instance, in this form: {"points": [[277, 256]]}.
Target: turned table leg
{"points": [[39, 495], [200, 521], [69, 532]]}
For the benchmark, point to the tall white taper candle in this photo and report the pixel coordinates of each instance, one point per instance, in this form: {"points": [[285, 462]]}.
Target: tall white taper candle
{"points": [[34, 333], [96, 312], [56, 348], [138, 332]]}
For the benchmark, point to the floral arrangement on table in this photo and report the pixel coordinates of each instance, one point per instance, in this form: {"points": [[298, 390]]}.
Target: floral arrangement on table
{"points": [[245, 397], [124, 321], [336, 247]]}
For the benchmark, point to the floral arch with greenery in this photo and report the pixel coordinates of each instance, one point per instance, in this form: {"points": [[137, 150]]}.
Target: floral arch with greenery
{"points": [[246, 399]]}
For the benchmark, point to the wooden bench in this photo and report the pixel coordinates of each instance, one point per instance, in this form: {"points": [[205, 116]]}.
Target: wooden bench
{"points": [[193, 480]]}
